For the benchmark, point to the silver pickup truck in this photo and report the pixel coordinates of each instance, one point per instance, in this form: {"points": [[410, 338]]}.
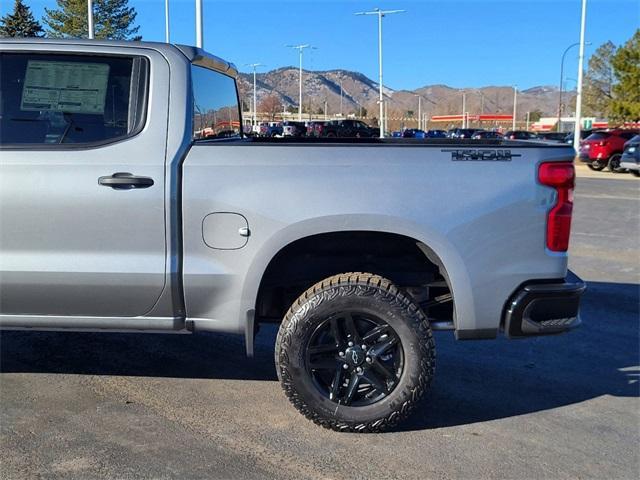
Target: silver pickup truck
{"points": [[131, 201]]}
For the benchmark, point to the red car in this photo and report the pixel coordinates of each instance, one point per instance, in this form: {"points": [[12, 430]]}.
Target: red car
{"points": [[604, 148]]}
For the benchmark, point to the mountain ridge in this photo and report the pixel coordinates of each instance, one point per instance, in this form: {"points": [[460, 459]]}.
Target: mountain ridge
{"points": [[360, 93]]}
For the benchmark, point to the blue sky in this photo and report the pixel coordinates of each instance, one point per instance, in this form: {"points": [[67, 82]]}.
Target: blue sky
{"points": [[462, 43]]}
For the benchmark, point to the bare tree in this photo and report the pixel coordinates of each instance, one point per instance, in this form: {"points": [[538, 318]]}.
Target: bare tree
{"points": [[270, 105]]}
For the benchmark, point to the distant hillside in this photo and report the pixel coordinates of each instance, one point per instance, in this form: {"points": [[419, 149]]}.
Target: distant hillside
{"points": [[361, 91]]}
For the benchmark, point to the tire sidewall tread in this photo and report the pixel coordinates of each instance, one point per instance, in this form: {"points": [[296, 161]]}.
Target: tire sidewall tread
{"points": [[406, 318]]}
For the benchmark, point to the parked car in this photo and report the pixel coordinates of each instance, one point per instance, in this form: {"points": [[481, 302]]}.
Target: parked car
{"points": [[414, 133], [553, 136], [603, 148], [436, 134], [293, 129], [314, 128], [462, 132], [568, 139], [347, 128], [520, 135], [486, 134], [117, 217], [271, 129], [631, 156]]}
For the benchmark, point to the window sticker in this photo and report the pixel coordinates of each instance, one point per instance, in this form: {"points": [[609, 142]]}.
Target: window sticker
{"points": [[65, 87]]}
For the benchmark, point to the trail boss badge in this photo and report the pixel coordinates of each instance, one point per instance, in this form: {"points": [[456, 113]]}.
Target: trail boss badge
{"points": [[482, 155]]}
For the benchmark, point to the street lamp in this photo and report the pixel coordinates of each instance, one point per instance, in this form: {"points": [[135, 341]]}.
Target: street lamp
{"points": [[300, 49], [166, 21], [419, 110], [464, 109], [199, 23], [380, 14], [255, 105], [576, 133], [515, 103], [561, 82], [90, 18]]}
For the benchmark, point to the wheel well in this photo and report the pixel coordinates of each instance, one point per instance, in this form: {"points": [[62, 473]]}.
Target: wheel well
{"points": [[399, 258]]}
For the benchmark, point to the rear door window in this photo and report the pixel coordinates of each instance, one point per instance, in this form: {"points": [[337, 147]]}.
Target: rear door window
{"points": [[597, 136], [216, 112], [53, 99], [628, 135]]}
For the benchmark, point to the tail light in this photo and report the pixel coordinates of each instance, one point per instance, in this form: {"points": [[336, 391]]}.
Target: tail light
{"points": [[561, 176]]}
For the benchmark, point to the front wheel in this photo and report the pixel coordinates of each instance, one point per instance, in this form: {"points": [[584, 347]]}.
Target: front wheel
{"points": [[614, 164], [597, 165], [355, 354]]}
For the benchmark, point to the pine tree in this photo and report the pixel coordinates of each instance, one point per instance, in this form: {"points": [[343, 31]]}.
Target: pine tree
{"points": [[626, 65], [113, 19], [20, 23]]}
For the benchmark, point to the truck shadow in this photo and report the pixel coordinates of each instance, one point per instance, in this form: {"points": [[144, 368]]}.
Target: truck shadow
{"points": [[475, 381], [480, 381]]}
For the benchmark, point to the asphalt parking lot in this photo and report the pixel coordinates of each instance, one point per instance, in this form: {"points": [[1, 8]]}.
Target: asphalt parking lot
{"points": [[174, 406]]}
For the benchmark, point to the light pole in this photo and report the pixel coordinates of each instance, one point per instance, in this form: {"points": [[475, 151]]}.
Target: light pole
{"points": [[166, 21], [561, 81], [576, 133], [341, 97], [199, 23], [380, 14], [90, 18], [255, 105], [300, 49], [464, 109], [419, 110], [515, 105]]}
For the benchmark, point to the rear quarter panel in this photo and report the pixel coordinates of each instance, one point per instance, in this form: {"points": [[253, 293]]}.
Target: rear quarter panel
{"points": [[485, 220]]}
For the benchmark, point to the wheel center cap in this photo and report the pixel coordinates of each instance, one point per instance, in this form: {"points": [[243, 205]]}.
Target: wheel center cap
{"points": [[354, 355]]}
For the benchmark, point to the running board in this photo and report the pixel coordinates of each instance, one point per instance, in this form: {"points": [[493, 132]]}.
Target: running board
{"points": [[102, 324]]}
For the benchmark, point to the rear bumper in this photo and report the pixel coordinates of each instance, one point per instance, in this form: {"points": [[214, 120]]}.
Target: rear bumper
{"points": [[544, 308], [630, 165], [629, 162]]}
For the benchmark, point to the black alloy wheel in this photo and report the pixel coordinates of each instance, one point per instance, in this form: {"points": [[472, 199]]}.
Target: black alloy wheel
{"points": [[355, 353], [354, 358]]}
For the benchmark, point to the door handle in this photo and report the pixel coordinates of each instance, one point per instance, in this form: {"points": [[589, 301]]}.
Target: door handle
{"points": [[125, 181]]}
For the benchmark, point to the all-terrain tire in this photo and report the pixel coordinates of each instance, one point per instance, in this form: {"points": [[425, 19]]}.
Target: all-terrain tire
{"points": [[358, 292]]}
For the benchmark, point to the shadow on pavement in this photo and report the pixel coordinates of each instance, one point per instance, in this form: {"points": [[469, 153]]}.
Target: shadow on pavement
{"points": [[475, 381], [480, 381]]}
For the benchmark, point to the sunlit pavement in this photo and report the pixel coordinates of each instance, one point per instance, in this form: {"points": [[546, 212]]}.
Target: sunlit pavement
{"points": [[163, 406]]}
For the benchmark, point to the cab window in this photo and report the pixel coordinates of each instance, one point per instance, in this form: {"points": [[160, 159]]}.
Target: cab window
{"points": [[54, 99], [216, 113]]}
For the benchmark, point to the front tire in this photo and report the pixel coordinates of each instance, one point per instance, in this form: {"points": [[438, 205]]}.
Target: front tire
{"points": [[354, 353], [614, 164], [597, 165]]}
